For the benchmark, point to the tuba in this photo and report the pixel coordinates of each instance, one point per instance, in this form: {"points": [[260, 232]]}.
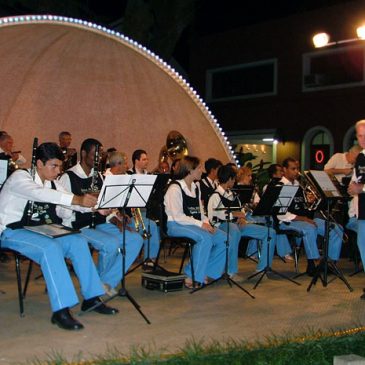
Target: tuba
{"points": [[176, 145]]}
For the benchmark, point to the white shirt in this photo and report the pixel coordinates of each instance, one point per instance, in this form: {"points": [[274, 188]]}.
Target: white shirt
{"points": [[20, 161], [338, 161], [174, 204], [287, 217], [20, 188], [215, 201]]}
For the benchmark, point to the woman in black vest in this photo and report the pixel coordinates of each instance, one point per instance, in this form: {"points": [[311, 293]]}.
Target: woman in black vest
{"points": [[185, 218]]}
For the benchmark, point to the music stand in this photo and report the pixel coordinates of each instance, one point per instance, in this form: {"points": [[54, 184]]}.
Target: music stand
{"points": [[153, 207], [125, 191], [275, 200], [328, 190], [225, 276]]}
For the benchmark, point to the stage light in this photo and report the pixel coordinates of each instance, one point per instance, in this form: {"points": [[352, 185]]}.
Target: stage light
{"points": [[360, 31], [321, 40]]}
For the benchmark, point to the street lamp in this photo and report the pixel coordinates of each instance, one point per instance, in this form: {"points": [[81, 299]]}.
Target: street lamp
{"points": [[323, 39]]}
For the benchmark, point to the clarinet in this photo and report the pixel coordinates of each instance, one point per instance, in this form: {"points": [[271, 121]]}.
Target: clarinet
{"points": [[32, 174]]}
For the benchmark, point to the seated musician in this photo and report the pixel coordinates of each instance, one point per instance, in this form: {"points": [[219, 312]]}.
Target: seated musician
{"points": [[209, 183], [275, 172], [16, 211], [185, 218], [133, 241], [140, 165], [341, 164], [223, 197], [65, 139], [106, 237], [298, 219], [7, 152]]}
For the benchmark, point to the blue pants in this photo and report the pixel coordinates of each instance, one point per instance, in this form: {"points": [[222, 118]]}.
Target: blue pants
{"points": [[208, 252], [260, 233], [50, 254], [310, 233], [358, 226], [108, 240]]}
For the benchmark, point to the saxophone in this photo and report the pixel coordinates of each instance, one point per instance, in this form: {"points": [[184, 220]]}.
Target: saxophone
{"points": [[139, 223]]}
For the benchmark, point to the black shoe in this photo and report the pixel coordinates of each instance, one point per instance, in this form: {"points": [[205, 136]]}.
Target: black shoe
{"points": [[4, 257], [311, 268], [100, 307], [63, 318], [362, 297]]}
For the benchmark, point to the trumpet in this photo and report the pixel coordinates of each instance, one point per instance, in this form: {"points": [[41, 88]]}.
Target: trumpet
{"points": [[312, 198], [139, 223]]}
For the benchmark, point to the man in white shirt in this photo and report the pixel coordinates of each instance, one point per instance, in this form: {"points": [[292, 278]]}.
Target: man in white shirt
{"points": [[106, 237], [297, 219], [341, 164], [25, 200], [7, 149], [151, 245], [357, 189]]}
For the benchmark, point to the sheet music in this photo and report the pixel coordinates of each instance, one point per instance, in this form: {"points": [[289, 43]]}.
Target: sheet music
{"points": [[285, 198], [325, 182], [3, 171], [116, 188]]}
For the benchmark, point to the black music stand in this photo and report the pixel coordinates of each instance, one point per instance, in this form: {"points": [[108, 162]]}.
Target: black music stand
{"points": [[225, 276], [275, 200], [153, 207], [120, 191], [329, 192]]}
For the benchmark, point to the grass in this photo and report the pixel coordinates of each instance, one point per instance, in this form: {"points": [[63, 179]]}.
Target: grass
{"points": [[311, 348]]}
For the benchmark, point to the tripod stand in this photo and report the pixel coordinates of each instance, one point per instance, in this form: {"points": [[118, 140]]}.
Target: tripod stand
{"points": [[276, 199], [268, 268], [118, 191], [326, 263], [225, 276]]}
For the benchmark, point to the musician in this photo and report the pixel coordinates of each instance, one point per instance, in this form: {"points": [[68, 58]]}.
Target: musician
{"points": [[7, 151], [297, 219], [357, 188], [50, 253], [133, 241], [341, 164], [224, 197], [106, 237], [209, 182], [140, 164], [65, 139], [185, 217], [275, 172]]}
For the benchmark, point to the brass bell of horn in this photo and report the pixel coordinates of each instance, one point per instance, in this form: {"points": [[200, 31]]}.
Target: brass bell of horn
{"points": [[176, 144]]}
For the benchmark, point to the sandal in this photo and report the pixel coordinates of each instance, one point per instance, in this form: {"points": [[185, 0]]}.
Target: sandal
{"points": [[188, 283]]}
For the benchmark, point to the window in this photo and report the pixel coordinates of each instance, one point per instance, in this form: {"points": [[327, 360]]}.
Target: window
{"points": [[242, 81], [335, 68]]}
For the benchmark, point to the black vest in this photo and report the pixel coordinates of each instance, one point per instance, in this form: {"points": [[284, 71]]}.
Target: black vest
{"points": [[206, 190], [42, 213], [360, 174], [191, 206], [78, 186]]}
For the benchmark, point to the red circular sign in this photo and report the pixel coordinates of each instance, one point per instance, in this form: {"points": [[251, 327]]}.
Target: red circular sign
{"points": [[319, 157]]}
